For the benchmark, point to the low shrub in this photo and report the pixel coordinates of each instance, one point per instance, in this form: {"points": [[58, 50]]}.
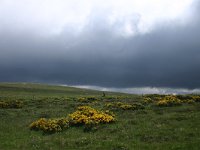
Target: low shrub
{"points": [[11, 104], [87, 99], [50, 125], [124, 106], [86, 115], [82, 99], [169, 101], [190, 101], [195, 98], [147, 100]]}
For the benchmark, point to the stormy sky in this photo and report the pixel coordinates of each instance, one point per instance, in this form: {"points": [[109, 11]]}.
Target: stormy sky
{"points": [[114, 44]]}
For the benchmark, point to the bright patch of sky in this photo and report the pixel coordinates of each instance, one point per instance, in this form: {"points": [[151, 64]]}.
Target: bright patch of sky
{"points": [[125, 17]]}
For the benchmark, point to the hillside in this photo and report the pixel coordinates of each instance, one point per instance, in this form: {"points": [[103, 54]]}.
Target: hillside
{"points": [[126, 122]]}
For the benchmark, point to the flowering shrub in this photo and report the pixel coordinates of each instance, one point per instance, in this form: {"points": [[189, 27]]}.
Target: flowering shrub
{"points": [[85, 115], [147, 100], [190, 101], [124, 106], [169, 101], [195, 98], [11, 104], [50, 125], [3, 105], [189, 98], [82, 99], [152, 97], [91, 98], [86, 99]]}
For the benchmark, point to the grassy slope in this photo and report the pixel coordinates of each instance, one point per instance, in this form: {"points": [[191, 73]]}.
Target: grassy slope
{"points": [[152, 128], [24, 89]]}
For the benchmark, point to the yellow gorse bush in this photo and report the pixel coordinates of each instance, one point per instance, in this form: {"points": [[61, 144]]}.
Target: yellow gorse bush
{"points": [[11, 104], [147, 100], [3, 105], [85, 115], [169, 101], [191, 99], [50, 125], [124, 106], [87, 99], [82, 99], [195, 98]]}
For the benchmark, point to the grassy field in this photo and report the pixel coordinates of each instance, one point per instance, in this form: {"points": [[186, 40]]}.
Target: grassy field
{"points": [[151, 127]]}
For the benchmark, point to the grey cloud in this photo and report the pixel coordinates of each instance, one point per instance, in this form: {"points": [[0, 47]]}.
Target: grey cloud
{"points": [[168, 56]]}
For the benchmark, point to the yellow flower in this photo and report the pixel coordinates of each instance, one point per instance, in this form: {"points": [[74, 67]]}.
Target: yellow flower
{"points": [[50, 125], [89, 115]]}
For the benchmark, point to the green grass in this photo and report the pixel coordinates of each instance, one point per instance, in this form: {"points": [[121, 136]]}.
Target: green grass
{"points": [[176, 127]]}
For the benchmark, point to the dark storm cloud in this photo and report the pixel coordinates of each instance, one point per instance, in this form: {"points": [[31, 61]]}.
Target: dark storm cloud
{"points": [[168, 56]]}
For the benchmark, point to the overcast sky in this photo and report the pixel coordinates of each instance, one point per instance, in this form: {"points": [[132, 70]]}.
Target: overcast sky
{"points": [[118, 44]]}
